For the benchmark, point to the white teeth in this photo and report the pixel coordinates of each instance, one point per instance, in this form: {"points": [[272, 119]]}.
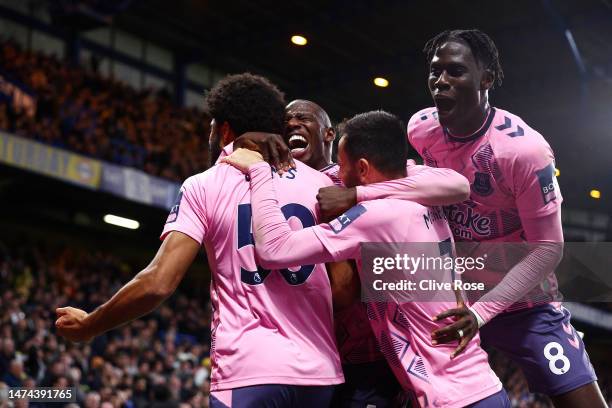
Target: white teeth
{"points": [[297, 137]]}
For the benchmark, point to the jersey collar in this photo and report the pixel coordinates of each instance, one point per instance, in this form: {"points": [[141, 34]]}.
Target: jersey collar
{"points": [[483, 129]]}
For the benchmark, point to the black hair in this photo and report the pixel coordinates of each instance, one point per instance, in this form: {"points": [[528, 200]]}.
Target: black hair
{"points": [[482, 46], [380, 138], [248, 103]]}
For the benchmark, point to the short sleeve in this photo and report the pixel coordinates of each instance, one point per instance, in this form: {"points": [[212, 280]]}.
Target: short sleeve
{"points": [[188, 214], [534, 182], [410, 130], [418, 128]]}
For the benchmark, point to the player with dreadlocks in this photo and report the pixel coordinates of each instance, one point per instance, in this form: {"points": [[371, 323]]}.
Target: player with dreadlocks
{"points": [[514, 198]]}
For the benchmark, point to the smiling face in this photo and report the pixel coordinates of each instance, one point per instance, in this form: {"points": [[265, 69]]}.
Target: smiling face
{"points": [[308, 133], [458, 85]]}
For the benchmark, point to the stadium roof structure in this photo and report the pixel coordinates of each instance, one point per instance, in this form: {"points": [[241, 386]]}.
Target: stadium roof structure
{"points": [[351, 42], [556, 55]]}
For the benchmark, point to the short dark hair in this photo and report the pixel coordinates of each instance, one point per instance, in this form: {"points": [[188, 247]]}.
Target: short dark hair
{"points": [[482, 46], [248, 103], [379, 137]]}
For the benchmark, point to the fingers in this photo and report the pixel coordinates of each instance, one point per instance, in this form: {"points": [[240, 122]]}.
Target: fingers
{"points": [[60, 311], [449, 332], [63, 322], [274, 159], [271, 146], [458, 311], [465, 340], [285, 155]]}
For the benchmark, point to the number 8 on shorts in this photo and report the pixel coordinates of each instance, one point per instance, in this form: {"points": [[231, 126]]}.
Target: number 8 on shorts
{"points": [[557, 356]]}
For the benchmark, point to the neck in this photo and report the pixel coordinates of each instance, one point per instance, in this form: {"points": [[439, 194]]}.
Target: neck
{"points": [[321, 163], [324, 160], [472, 123]]}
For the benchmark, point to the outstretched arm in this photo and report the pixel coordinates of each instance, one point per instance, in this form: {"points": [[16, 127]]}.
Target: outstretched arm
{"points": [[144, 293], [277, 245], [424, 185]]}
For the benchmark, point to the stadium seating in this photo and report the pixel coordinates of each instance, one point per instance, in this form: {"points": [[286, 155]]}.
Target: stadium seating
{"points": [[78, 109]]}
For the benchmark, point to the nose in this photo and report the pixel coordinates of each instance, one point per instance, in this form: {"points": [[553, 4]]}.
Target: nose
{"points": [[293, 123], [442, 81]]}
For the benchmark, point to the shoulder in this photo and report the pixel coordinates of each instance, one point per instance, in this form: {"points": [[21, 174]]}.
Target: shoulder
{"points": [[313, 176], [512, 139], [215, 178], [422, 124], [510, 133], [392, 210]]}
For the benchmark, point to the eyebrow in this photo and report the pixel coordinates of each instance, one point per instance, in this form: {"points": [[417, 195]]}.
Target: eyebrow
{"points": [[452, 64]]}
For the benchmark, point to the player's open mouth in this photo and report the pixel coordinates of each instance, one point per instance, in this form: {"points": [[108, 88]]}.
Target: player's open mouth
{"points": [[444, 104], [297, 144]]}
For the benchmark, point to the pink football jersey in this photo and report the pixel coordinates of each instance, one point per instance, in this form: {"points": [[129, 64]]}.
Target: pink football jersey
{"points": [[510, 167], [332, 171], [511, 170], [403, 329], [356, 341], [269, 326]]}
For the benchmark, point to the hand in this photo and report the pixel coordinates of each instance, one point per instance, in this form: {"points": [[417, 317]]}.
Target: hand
{"points": [[271, 146], [464, 321], [334, 200], [71, 324], [242, 159]]}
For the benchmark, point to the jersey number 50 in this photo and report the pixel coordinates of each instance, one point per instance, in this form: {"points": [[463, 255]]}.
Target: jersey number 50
{"points": [[245, 238]]}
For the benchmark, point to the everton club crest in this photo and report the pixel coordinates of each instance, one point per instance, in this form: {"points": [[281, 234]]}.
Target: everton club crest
{"points": [[482, 184]]}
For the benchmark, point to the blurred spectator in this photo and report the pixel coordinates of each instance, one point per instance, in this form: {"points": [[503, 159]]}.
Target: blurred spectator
{"points": [[80, 110], [161, 360], [149, 363]]}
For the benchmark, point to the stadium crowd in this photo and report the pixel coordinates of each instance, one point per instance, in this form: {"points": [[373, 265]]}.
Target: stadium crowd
{"points": [[160, 360], [81, 110]]}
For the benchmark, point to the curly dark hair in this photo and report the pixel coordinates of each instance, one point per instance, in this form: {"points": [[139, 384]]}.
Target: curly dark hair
{"points": [[482, 46], [248, 103]]}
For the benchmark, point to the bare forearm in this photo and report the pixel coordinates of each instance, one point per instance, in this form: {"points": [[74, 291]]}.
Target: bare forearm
{"points": [[137, 298]]}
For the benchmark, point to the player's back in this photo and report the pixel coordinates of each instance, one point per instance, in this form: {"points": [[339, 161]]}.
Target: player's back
{"points": [[403, 328], [269, 327]]}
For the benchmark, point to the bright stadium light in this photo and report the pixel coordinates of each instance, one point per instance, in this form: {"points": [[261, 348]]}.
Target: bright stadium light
{"points": [[557, 172], [121, 222], [299, 40], [382, 82], [596, 194]]}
